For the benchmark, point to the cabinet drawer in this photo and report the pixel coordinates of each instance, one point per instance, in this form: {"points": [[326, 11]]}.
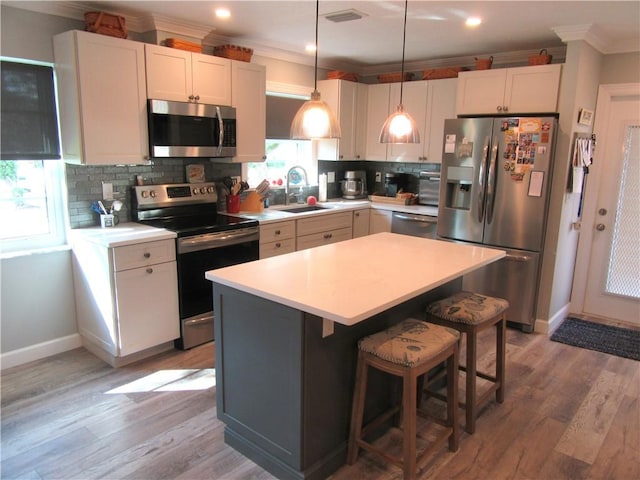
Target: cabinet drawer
{"points": [[324, 223], [141, 254], [324, 238], [277, 231], [280, 247]]}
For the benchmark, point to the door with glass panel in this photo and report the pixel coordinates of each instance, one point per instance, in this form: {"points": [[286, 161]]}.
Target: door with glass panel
{"points": [[613, 283]]}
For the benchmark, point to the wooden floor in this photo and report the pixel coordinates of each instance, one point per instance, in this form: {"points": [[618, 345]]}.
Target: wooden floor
{"points": [[569, 413]]}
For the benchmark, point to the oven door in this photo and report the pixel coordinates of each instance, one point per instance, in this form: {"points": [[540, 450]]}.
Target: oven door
{"points": [[196, 255]]}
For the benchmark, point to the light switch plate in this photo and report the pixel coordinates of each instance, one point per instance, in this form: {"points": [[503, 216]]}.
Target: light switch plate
{"points": [[107, 191], [331, 177]]}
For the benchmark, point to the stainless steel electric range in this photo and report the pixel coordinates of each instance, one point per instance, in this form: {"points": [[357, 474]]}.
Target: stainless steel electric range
{"points": [[205, 241]]}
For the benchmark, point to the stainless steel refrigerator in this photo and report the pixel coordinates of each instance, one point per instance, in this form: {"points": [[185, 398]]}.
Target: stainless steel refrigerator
{"points": [[494, 191]]}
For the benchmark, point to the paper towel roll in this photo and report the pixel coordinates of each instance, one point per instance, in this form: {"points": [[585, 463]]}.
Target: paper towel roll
{"points": [[322, 187]]}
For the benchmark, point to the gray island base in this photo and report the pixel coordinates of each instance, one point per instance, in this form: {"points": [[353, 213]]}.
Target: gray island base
{"points": [[284, 391], [286, 333]]}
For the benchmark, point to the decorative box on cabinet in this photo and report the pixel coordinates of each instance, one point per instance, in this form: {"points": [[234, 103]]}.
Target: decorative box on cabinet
{"points": [[126, 298], [509, 90], [101, 87], [183, 76], [248, 96], [277, 238], [348, 102]]}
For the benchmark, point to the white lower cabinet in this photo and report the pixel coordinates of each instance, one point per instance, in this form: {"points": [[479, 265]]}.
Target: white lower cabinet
{"points": [[126, 298], [277, 238], [361, 222], [380, 221], [323, 230]]}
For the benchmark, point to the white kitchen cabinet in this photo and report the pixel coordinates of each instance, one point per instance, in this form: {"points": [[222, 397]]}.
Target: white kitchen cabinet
{"points": [[126, 298], [323, 229], [380, 221], [101, 86], [377, 113], [277, 238], [348, 102], [509, 90], [182, 76], [248, 96], [429, 102], [361, 222]]}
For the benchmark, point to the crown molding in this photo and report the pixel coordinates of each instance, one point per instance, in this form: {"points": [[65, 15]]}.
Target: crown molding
{"points": [[592, 34]]}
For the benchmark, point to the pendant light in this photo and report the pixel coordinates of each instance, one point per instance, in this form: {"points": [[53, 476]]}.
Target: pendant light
{"points": [[315, 119], [400, 127]]}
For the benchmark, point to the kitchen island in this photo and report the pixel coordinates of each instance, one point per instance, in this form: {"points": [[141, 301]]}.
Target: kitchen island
{"points": [[286, 332]]}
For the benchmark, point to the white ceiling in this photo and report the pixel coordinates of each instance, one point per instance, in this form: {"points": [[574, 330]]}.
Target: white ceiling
{"points": [[435, 30]]}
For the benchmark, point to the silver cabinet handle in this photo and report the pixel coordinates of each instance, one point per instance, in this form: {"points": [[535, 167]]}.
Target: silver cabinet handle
{"points": [[600, 227], [149, 270], [147, 255]]}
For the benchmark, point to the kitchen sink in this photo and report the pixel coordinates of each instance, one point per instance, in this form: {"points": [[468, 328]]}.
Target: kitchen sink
{"points": [[305, 208]]}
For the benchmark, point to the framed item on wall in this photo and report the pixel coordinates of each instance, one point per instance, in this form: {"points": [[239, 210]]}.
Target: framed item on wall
{"points": [[585, 117]]}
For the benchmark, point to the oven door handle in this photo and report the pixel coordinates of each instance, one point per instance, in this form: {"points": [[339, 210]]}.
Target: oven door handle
{"points": [[211, 241]]}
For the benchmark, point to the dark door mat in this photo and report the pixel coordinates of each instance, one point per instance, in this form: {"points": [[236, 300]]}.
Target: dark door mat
{"points": [[621, 342]]}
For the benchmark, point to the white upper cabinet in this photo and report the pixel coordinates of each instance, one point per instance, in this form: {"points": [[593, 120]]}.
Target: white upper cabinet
{"points": [[182, 76], [102, 99], [348, 102], [377, 113], [509, 90], [248, 96], [429, 102]]}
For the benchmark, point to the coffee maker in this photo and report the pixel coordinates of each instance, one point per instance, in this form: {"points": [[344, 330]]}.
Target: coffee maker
{"points": [[354, 185]]}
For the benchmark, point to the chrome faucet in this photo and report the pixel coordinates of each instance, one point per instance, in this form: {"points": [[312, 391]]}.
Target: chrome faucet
{"points": [[287, 187]]}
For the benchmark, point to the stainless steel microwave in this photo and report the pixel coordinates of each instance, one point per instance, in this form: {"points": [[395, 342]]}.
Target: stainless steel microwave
{"points": [[185, 130]]}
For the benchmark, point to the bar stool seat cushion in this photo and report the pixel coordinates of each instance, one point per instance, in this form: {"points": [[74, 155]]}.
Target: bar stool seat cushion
{"points": [[467, 307], [410, 342]]}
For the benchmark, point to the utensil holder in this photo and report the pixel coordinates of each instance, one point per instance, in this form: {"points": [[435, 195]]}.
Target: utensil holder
{"points": [[233, 203], [108, 221]]}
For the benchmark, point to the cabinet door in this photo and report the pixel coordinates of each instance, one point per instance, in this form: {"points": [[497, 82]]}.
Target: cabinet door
{"points": [[377, 113], [147, 302], [323, 238], [441, 105], [249, 98], [414, 100], [532, 89], [323, 223], [102, 99], [168, 73], [380, 221], [211, 79], [361, 222], [480, 92], [362, 94], [342, 98]]}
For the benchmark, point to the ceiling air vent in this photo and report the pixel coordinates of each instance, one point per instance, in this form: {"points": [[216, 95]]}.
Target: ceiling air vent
{"points": [[345, 16]]}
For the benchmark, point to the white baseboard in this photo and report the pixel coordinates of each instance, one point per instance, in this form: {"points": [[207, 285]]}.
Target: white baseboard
{"points": [[550, 326], [40, 350]]}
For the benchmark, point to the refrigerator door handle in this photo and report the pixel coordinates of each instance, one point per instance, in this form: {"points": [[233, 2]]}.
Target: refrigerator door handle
{"points": [[481, 177], [491, 181]]}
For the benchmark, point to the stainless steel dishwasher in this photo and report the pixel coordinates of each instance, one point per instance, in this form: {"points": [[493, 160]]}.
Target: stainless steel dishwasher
{"points": [[415, 225]]}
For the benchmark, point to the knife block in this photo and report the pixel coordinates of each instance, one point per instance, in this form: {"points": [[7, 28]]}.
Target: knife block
{"points": [[252, 203]]}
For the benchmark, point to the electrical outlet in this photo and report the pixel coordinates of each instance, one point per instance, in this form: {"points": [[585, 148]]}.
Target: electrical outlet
{"points": [[378, 177], [107, 191], [331, 177]]}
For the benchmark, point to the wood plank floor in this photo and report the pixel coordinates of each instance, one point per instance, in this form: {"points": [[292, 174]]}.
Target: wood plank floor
{"points": [[569, 413]]}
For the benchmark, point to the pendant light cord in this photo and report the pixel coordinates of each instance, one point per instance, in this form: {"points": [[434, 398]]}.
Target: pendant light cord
{"points": [[315, 78], [404, 39]]}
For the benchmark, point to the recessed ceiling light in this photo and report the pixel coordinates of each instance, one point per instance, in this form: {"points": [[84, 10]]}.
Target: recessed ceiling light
{"points": [[473, 21], [223, 13]]}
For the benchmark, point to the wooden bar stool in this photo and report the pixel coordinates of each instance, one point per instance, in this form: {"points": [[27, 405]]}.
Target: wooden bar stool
{"points": [[407, 350], [472, 313]]}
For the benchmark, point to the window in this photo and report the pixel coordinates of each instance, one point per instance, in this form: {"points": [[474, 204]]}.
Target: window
{"points": [[282, 153], [31, 172]]}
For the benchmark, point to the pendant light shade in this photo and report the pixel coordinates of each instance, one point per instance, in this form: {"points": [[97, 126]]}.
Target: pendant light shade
{"points": [[315, 119], [400, 127]]}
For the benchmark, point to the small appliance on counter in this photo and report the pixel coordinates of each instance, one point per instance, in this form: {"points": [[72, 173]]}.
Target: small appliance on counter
{"points": [[354, 185], [429, 188]]}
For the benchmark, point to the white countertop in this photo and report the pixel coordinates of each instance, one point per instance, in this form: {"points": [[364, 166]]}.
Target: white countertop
{"points": [[128, 233], [277, 213], [350, 281]]}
